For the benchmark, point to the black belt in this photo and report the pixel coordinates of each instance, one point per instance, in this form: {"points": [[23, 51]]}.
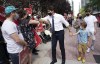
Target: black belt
{"points": [[59, 31]]}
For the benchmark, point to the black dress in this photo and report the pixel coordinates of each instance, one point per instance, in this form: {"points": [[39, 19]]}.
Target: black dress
{"points": [[27, 31]]}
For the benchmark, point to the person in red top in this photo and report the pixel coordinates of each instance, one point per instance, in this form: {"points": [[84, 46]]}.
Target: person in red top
{"points": [[2, 15]]}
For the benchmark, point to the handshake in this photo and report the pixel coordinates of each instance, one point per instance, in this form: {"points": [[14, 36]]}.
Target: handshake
{"points": [[42, 20], [72, 34]]}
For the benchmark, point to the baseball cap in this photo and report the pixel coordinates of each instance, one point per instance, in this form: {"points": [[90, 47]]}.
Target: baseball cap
{"points": [[9, 9]]}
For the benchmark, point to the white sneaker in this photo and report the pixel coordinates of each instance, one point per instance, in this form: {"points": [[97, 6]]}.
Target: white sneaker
{"points": [[88, 50], [92, 48]]}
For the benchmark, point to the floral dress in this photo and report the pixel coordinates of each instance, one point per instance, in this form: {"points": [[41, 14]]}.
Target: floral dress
{"points": [[27, 31]]}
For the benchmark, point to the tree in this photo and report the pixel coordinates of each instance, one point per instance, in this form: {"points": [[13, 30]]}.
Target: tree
{"points": [[95, 4], [61, 6]]}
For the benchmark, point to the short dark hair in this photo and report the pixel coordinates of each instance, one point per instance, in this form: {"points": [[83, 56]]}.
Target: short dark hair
{"points": [[88, 10], [22, 13], [84, 24], [51, 8]]}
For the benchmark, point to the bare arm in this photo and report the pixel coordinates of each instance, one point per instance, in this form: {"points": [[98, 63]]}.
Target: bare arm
{"points": [[95, 25], [16, 38], [95, 22], [42, 20], [33, 22], [75, 34]]}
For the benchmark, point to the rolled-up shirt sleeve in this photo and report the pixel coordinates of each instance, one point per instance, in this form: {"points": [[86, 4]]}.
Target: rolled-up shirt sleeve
{"points": [[65, 22], [45, 19]]}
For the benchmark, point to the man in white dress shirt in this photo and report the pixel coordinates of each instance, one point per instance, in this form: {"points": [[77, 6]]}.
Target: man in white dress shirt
{"points": [[56, 21]]}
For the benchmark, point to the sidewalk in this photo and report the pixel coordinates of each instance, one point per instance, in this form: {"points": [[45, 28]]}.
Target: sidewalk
{"points": [[44, 56]]}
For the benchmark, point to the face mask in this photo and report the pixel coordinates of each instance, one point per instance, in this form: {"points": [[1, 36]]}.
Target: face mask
{"points": [[49, 14], [80, 17], [16, 16]]}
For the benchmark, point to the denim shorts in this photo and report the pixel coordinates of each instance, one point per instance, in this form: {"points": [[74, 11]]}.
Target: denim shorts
{"points": [[14, 58]]}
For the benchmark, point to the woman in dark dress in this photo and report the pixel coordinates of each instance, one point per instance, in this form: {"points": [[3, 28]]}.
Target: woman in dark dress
{"points": [[26, 27]]}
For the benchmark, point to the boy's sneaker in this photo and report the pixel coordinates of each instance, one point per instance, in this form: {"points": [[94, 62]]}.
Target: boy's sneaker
{"points": [[79, 58], [92, 48], [83, 60], [88, 50]]}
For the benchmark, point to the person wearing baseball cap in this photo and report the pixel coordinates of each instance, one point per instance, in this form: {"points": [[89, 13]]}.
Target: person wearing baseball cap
{"points": [[10, 9], [12, 35]]}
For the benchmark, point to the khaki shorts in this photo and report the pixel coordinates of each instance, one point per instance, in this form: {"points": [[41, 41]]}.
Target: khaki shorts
{"points": [[82, 48], [92, 35]]}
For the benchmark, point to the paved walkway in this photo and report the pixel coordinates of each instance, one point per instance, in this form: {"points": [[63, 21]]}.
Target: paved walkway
{"points": [[44, 56]]}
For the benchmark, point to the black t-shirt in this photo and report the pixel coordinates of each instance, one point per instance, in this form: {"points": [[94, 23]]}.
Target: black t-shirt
{"points": [[1, 37]]}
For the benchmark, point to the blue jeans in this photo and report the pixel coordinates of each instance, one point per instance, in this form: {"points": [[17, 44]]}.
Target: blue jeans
{"points": [[14, 58]]}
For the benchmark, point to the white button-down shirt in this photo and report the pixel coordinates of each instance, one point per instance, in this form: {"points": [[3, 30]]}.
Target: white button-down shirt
{"points": [[59, 20]]}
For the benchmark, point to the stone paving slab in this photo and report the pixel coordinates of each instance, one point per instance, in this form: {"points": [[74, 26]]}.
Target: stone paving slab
{"points": [[44, 56]]}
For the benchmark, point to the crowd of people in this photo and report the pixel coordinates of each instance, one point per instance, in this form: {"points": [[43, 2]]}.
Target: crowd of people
{"points": [[86, 30], [69, 17], [18, 32]]}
